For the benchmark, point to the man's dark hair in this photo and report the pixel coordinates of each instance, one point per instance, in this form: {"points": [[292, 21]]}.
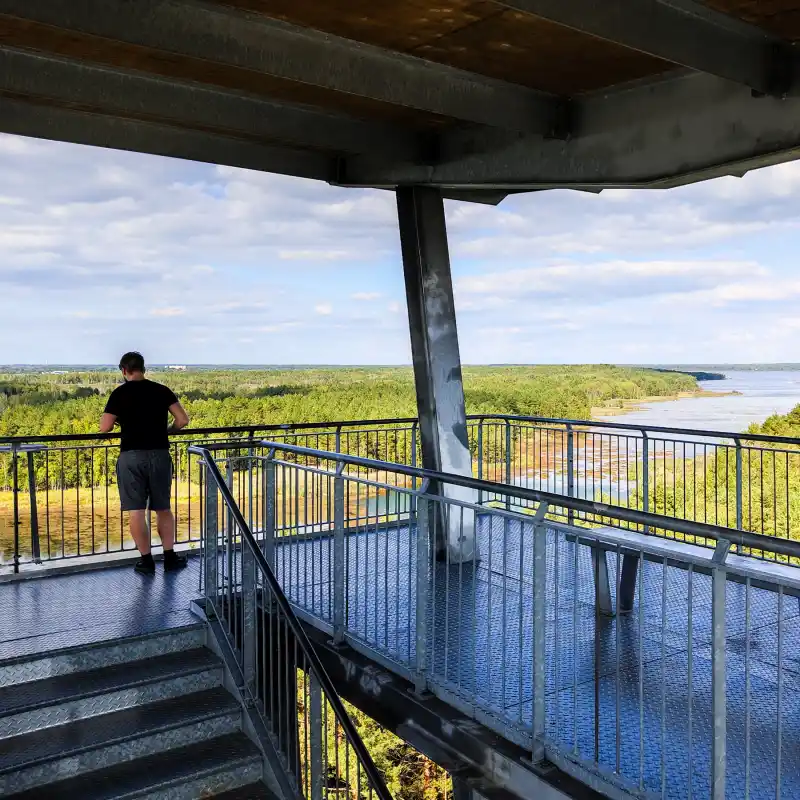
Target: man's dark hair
{"points": [[132, 362]]}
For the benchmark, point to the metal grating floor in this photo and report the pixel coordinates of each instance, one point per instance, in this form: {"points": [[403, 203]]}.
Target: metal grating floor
{"points": [[58, 611], [633, 694]]}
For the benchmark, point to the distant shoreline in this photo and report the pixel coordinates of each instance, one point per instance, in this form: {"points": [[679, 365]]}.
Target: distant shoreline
{"points": [[622, 407]]}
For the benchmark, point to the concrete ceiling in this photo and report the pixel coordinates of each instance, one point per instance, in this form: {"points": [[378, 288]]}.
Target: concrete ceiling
{"points": [[479, 97]]}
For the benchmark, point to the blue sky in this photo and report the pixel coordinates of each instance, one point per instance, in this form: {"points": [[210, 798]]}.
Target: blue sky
{"points": [[104, 251]]}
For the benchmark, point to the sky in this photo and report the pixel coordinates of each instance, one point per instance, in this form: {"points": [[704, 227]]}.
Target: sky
{"points": [[104, 251]]}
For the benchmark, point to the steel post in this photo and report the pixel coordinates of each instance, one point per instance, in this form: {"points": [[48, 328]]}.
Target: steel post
{"points": [[35, 548], [315, 738], [570, 471], [739, 504], [339, 562], [436, 356], [269, 510], [422, 593], [15, 494], [249, 655], [539, 632], [718, 677], [210, 540]]}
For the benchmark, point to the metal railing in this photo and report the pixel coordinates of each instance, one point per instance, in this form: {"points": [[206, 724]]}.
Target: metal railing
{"points": [[282, 677], [682, 682], [58, 498]]}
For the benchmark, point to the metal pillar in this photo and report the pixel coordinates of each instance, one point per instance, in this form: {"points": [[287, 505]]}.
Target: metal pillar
{"points": [[436, 358]]}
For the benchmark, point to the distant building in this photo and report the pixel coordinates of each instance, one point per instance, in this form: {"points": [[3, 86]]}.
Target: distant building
{"points": [[179, 367]]}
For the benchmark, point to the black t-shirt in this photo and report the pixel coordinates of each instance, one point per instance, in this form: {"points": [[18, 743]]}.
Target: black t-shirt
{"points": [[141, 410]]}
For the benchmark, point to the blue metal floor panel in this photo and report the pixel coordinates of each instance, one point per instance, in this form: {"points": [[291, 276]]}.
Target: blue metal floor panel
{"points": [[58, 611], [626, 680]]}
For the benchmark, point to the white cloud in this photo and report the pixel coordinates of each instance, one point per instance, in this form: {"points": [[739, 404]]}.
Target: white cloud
{"points": [[169, 311], [154, 253], [600, 281]]}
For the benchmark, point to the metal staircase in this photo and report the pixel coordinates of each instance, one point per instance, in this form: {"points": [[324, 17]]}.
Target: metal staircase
{"points": [[132, 718]]}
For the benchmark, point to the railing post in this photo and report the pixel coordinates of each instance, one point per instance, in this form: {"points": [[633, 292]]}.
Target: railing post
{"points": [[35, 549], [739, 504], [570, 471], [718, 678], [539, 631], [423, 559], [480, 458], [250, 486], [507, 478], [210, 540], [315, 737], [413, 500], [248, 594], [269, 509], [15, 493], [339, 562], [645, 473], [508, 462]]}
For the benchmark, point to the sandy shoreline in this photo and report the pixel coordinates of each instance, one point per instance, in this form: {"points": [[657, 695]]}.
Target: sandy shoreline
{"points": [[622, 407]]}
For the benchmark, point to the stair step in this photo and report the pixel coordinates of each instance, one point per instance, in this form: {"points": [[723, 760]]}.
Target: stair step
{"points": [[25, 669], [34, 705], [187, 773], [65, 751], [253, 791]]}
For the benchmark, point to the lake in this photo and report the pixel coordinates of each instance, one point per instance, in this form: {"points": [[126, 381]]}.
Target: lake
{"points": [[762, 394]]}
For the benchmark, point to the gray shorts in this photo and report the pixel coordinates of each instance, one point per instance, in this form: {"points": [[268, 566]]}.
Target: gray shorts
{"points": [[144, 478]]}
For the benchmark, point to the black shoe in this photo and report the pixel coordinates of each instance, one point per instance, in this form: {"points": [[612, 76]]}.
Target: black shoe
{"points": [[145, 566], [174, 562]]}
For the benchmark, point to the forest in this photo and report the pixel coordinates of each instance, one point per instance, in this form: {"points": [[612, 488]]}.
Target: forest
{"points": [[50, 404]]}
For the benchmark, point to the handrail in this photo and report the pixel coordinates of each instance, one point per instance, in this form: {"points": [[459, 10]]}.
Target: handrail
{"points": [[290, 427], [284, 426], [787, 547], [374, 775]]}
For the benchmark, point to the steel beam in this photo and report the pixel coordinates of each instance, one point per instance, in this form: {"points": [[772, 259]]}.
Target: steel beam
{"points": [[134, 95], [436, 357], [224, 36], [68, 125], [680, 31], [688, 128]]}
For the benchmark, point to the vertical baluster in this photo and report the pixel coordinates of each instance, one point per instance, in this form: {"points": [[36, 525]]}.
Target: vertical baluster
{"points": [[539, 631], [339, 562]]}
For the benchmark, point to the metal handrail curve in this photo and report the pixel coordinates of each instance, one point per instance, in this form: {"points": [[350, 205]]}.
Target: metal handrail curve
{"points": [[304, 643]]}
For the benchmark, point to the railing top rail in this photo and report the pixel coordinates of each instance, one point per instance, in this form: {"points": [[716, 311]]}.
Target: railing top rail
{"points": [[787, 547], [292, 427], [584, 423], [372, 772], [287, 427]]}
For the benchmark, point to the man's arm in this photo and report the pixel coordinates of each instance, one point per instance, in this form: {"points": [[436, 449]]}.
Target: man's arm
{"points": [[180, 419], [107, 422]]}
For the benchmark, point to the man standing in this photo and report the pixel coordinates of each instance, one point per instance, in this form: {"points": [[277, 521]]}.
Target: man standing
{"points": [[144, 468]]}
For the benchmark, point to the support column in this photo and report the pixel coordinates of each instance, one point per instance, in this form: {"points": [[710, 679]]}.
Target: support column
{"points": [[436, 358]]}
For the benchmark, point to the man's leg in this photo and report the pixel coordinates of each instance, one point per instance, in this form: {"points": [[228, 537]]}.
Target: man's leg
{"points": [[133, 499], [160, 491], [139, 531], [166, 528]]}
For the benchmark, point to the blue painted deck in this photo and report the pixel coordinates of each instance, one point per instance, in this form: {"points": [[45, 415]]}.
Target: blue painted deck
{"points": [[642, 682], [52, 612]]}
